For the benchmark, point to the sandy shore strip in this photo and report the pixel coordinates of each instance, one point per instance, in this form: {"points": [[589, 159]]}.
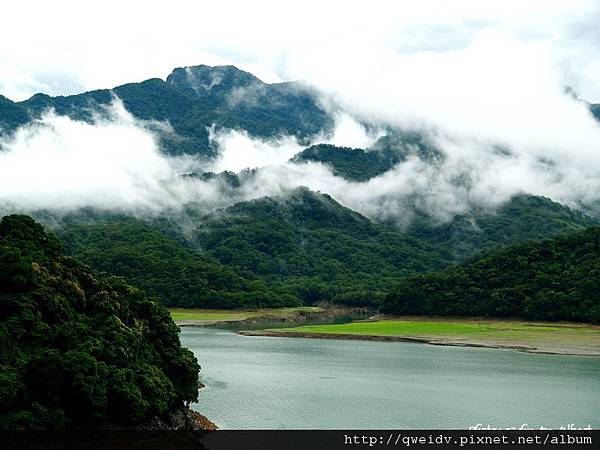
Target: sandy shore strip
{"points": [[553, 347], [252, 317]]}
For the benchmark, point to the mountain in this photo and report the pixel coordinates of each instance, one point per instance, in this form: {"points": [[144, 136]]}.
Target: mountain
{"points": [[12, 115], [162, 264], [351, 163], [360, 165], [238, 99], [314, 246], [195, 98], [595, 109], [298, 247], [192, 100], [286, 250], [524, 217], [302, 247], [79, 349], [553, 279]]}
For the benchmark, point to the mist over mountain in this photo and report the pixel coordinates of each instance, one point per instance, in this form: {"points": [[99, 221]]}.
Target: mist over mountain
{"points": [[138, 139], [192, 100], [212, 188]]}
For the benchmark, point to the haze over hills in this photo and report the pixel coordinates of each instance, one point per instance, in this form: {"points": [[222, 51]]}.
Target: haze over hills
{"points": [[246, 210], [293, 249], [213, 188], [192, 100]]}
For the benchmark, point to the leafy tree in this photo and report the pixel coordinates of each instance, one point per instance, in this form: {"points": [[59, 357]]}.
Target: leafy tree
{"points": [[79, 349]]}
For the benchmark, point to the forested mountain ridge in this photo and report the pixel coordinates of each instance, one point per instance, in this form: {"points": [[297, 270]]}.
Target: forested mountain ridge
{"points": [[293, 221], [522, 218], [273, 251], [12, 115], [78, 349], [192, 100], [314, 246], [291, 249], [163, 265], [354, 164], [357, 164], [552, 279], [295, 246]]}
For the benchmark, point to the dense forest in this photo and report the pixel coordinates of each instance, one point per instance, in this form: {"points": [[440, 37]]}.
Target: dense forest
{"points": [[312, 246], [357, 164], [299, 248], [522, 218], [79, 349], [165, 267], [552, 279], [351, 163], [270, 252]]}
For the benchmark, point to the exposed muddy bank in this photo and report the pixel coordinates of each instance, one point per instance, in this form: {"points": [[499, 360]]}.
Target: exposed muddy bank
{"points": [[328, 314], [549, 349]]}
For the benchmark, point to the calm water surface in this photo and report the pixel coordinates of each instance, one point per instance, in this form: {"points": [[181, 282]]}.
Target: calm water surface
{"points": [[271, 382]]}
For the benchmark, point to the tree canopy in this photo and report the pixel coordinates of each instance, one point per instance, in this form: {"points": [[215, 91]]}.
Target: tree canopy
{"points": [[79, 349], [552, 279]]}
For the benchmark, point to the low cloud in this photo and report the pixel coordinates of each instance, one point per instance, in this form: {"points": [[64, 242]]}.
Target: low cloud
{"points": [[238, 150], [469, 174], [60, 163], [114, 163]]}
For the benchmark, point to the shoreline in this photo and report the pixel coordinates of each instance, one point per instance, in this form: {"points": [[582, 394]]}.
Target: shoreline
{"points": [[326, 314], [446, 342]]}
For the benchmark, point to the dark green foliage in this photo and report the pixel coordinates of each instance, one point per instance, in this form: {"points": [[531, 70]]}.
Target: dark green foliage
{"points": [[301, 248], [78, 349], [313, 246], [553, 279], [408, 143], [237, 99], [351, 163], [522, 218], [361, 165], [163, 266], [194, 99], [12, 115], [595, 109]]}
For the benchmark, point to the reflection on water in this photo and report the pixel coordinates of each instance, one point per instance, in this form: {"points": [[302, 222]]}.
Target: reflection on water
{"points": [[265, 382]]}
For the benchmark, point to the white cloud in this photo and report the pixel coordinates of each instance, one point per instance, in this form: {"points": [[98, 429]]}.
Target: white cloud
{"points": [[61, 163], [239, 151], [476, 73], [128, 41]]}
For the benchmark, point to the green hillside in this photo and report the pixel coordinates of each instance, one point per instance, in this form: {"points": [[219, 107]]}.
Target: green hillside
{"points": [[314, 246], [351, 163], [299, 248], [522, 218], [553, 279], [164, 266], [79, 349], [12, 116], [358, 164]]}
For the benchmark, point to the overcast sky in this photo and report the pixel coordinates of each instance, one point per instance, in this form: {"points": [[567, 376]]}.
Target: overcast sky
{"points": [[63, 47]]}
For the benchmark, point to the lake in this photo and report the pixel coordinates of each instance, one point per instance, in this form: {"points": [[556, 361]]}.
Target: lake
{"points": [[289, 383]]}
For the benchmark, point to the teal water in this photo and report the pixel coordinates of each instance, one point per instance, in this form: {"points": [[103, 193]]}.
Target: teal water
{"points": [[288, 383]]}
